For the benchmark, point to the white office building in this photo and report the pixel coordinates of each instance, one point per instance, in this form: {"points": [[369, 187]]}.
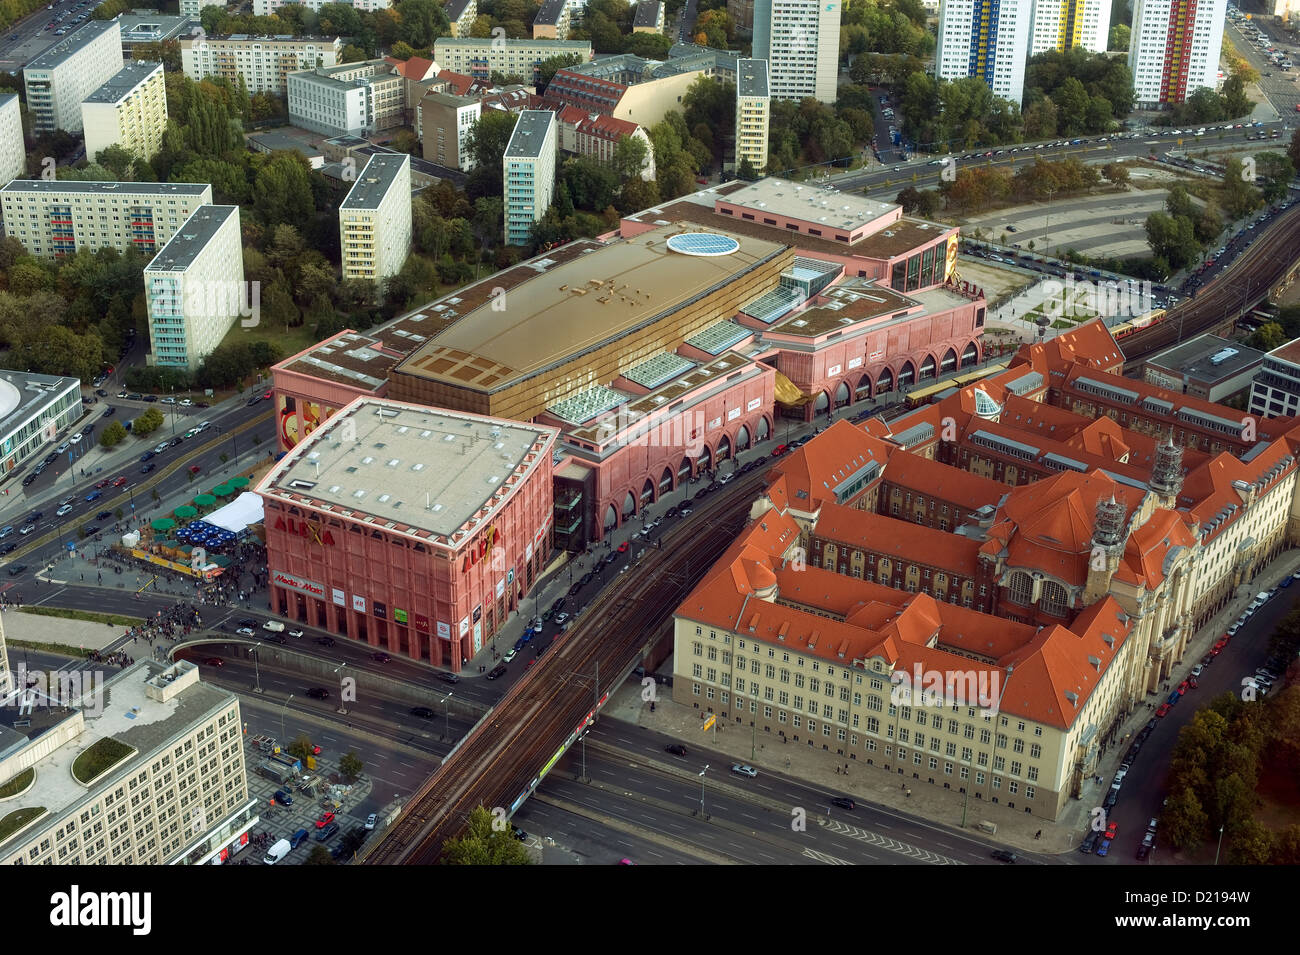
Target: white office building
{"points": [[528, 167], [375, 220], [192, 8], [800, 39], [1062, 24], [988, 39], [130, 111], [13, 154], [52, 218], [194, 288], [1174, 49], [262, 62], [35, 410], [481, 58], [62, 77], [143, 768], [264, 8], [352, 99]]}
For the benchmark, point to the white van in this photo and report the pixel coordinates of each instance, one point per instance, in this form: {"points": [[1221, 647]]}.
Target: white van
{"points": [[274, 626], [277, 852]]}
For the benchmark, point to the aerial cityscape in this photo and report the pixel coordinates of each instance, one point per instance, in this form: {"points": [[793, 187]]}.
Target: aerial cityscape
{"points": [[582, 432]]}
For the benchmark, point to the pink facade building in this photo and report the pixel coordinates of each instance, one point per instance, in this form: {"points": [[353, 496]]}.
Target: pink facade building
{"points": [[412, 530]]}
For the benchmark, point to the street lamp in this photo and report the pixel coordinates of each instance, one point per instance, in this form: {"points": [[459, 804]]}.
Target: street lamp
{"points": [[1219, 846], [702, 772], [342, 709], [284, 707], [257, 676], [446, 713]]}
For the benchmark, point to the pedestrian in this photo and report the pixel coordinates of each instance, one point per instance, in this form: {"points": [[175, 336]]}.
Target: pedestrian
{"points": [[1038, 834]]}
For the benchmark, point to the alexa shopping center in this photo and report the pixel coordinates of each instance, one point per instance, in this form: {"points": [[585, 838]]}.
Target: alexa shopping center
{"points": [[413, 530]]}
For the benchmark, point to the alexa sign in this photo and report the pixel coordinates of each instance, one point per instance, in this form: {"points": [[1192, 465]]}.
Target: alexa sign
{"points": [[480, 550]]}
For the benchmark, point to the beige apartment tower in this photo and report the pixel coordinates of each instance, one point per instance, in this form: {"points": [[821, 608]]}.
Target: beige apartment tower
{"points": [[375, 220], [262, 62], [130, 111], [752, 114]]}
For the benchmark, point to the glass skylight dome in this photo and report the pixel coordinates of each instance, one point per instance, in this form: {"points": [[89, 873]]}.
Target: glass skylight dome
{"points": [[703, 243]]}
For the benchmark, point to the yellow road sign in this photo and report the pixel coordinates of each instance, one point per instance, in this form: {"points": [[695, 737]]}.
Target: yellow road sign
{"points": [[708, 724]]}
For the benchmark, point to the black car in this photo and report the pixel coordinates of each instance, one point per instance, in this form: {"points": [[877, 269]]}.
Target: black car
{"points": [[677, 749], [1144, 850], [325, 641], [1111, 799], [110, 411], [1002, 855], [573, 591], [146, 456], [248, 622], [103, 515], [89, 529], [518, 833], [252, 401], [35, 516], [843, 803], [610, 558], [277, 638], [176, 441], [49, 458], [586, 578], [318, 693], [29, 479], [699, 495], [449, 678], [150, 398], [423, 712], [1089, 842], [380, 657], [17, 569], [147, 468], [8, 548], [497, 672], [101, 392]]}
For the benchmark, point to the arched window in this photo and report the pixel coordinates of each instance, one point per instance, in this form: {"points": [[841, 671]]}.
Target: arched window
{"points": [[1054, 600], [1020, 588]]}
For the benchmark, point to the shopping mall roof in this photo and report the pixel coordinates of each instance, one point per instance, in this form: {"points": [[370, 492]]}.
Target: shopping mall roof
{"points": [[578, 306], [410, 468], [794, 200]]}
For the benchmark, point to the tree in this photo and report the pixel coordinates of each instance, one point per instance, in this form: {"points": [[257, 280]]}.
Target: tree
{"points": [[113, 435], [1268, 336], [1116, 172], [484, 844], [282, 189], [350, 766], [1292, 150], [420, 22], [147, 423], [1277, 170], [320, 856], [630, 154], [486, 144], [300, 747], [351, 53], [1118, 41], [547, 69]]}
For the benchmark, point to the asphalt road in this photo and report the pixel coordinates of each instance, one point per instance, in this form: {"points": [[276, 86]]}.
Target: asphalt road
{"points": [[1282, 88], [29, 38]]}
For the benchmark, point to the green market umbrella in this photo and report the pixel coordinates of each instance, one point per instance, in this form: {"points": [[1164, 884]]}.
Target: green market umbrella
{"points": [[238, 482], [223, 490], [205, 500], [163, 524], [185, 512]]}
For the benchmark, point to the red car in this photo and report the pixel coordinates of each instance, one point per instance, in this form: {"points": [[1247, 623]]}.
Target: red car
{"points": [[118, 482], [1112, 830], [266, 396], [102, 484], [214, 661], [325, 820], [1184, 687], [1215, 651], [780, 450], [622, 548], [315, 750], [1221, 643], [1162, 709]]}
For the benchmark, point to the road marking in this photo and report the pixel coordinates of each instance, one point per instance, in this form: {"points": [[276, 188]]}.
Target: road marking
{"points": [[893, 845], [823, 857]]}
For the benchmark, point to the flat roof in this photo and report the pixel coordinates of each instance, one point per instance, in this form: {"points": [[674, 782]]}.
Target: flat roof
{"points": [[108, 188], [191, 238], [1289, 352], [23, 394], [376, 179], [647, 14], [579, 306], [450, 100], [697, 208], [348, 358], [494, 43], [275, 139], [122, 83], [144, 27], [1195, 359], [529, 137], [414, 467], [751, 77], [454, 9], [550, 12], [71, 44], [810, 203], [267, 38], [845, 303]]}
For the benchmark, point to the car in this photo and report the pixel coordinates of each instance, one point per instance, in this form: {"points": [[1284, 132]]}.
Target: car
{"points": [[63, 510], [145, 469], [328, 832], [497, 671], [17, 569], [1143, 851], [8, 548], [1104, 848], [26, 529], [283, 798], [318, 693], [325, 641], [1163, 710], [186, 403], [147, 455], [277, 638], [214, 661], [175, 441], [169, 401], [119, 481], [1215, 651], [1153, 824], [1112, 830], [1183, 687], [371, 820], [560, 619], [677, 749], [1002, 855], [380, 657], [842, 802], [448, 677], [94, 496], [1089, 842], [686, 511], [252, 401], [75, 439], [88, 529], [29, 479], [622, 548], [245, 631], [295, 633], [150, 399], [609, 559], [59, 450], [741, 769], [518, 833], [424, 712], [510, 654], [573, 591], [162, 447]]}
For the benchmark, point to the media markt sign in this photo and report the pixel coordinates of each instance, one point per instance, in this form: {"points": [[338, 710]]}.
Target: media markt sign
{"points": [[298, 584]]}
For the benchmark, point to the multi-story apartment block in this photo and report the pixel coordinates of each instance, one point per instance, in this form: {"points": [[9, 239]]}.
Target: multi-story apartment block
{"points": [[1174, 49], [354, 99], [375, 220], [13, 155], [552, 21], [157, 777], [264, 8], [445, 124], [262, 62], [130, 111], [988, 39], [742, 15], [139, 29], [62, 77], [192, 8], [194, 288], [627, 87], [460, 15], [753, 105], [52, 218], [800, 39], [481, 58], [649, 17], [528, 166], [1061, 24]]}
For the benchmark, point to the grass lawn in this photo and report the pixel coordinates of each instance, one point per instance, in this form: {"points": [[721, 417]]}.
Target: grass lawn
{"points": [[99, 759], [17, 784], [17, 819]]}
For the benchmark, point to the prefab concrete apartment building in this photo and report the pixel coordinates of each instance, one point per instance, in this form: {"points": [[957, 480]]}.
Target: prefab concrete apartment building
{"points": [[52, 218], [354, 99], [752, 109], [529, 169], [481, 58], [13, 155], [130, 111], [194, 288], [262, 61], [375, 219], [60, 79]]}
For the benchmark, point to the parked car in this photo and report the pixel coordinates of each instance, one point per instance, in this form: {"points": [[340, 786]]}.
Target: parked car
{"points": [[1002, 855], [497, 671], [283, 798], [327, 833], [742, 770]]}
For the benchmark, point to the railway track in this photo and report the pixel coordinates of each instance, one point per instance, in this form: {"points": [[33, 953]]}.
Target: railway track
{"points": [[504, 756], [1265, 262]]}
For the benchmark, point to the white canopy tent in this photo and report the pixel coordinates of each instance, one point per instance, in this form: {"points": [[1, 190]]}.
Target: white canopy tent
{"points": [[239, 513]]}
